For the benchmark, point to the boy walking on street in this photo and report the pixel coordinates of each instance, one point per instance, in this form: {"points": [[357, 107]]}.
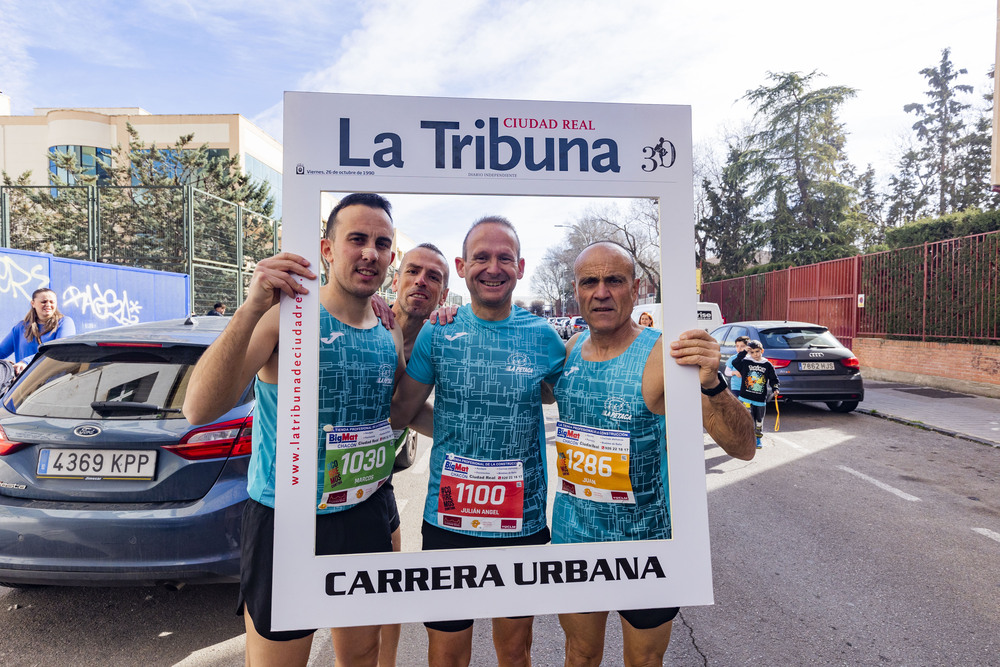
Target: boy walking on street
{"points": [[757, 375]]}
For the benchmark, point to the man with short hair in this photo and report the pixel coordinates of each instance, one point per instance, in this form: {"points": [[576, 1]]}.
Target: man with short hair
{"points": [[217, 310], [611, 399], [421, 285], [732, 373], [355, 386], [487, 369]]}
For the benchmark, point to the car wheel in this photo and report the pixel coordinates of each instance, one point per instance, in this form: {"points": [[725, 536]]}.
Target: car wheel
{"points": [[408, 452], [841, 406]]}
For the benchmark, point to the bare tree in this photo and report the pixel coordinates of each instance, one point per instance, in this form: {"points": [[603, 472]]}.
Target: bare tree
{"points": [[637, 228]]}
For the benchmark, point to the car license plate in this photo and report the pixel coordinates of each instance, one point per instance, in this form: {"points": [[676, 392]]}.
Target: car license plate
{"points": [[815, 365], [97, 464]]}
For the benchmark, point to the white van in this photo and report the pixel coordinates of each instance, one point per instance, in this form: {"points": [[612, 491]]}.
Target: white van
{"points": [[708, 315]]}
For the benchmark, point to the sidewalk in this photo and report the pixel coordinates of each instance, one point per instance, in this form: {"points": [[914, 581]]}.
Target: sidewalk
{"points": [[966, 416]]}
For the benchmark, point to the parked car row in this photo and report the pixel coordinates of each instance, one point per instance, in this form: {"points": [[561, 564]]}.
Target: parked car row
{"points": [[566, 327]]}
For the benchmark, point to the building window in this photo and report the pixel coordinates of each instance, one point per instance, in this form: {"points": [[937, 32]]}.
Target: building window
{"points": [[261, 173], [93, 161]]}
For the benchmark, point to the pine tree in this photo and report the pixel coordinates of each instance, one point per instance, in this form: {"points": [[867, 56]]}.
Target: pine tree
{"points": [[799, 160], [940, 127]]}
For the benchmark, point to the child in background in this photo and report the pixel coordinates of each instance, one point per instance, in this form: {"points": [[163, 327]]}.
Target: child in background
{"points": [[757, 375], [732, 373]]}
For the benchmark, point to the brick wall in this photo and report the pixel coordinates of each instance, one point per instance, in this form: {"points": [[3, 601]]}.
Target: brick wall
{"points": [[947, 365]]}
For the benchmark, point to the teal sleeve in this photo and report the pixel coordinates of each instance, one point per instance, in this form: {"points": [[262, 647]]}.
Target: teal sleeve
{"points": [[7, 345], [557, 355], [419, 367]]}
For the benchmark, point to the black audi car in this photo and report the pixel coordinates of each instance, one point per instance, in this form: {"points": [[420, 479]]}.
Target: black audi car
{"points": [[812, 365]]}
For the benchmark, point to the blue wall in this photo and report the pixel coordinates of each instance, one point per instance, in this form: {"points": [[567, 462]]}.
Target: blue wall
{"points": [[96, 296]]}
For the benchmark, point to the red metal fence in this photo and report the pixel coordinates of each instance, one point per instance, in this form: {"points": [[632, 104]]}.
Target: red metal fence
{"points": [[947, 290]]}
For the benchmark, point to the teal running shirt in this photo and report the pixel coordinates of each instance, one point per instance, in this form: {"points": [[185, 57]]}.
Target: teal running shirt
{"points": [[487, 465], [612, 450], [356, 372]]}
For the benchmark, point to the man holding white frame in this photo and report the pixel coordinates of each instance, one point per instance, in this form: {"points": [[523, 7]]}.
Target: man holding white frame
{"points": [[359, 362], [451, 146], [611, 439], [487, 368]]}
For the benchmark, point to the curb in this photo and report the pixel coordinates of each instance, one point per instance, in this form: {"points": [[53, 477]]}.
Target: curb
{"points": [[928, 427]]}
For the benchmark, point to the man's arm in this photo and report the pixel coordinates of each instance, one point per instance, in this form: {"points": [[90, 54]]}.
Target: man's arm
{"points": [[423, 421], [247, 343], [729, 424], [408, 401], [723, 416]]}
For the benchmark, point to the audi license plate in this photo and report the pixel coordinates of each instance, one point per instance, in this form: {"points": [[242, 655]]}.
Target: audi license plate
{"points": [[97, 464], [815, 365]]}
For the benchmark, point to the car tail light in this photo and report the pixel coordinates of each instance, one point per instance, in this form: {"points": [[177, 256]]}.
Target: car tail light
{"points": [[851, 362], [779, 363], [6, 446], [217, 441]]}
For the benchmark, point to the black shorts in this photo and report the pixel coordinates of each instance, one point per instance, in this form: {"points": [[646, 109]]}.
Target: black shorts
{"points": [[438, 538], [647, 619], [361, 529], [393, 510]]}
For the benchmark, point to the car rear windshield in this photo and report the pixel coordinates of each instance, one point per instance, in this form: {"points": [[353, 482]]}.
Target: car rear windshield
{"points": [[797, 338], [106, 382]]}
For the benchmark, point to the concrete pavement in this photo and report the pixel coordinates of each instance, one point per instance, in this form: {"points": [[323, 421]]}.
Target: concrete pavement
{"points": [[975, 418]]}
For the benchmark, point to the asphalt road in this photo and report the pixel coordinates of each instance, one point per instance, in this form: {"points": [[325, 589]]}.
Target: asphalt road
{"points": [[848, 540]]}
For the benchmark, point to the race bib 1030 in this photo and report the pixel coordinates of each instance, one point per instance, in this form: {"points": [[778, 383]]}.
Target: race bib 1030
{"points": [[358, 460]]}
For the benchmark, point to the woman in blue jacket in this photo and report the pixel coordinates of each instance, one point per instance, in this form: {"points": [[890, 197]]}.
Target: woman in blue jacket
{"points": [[43, 323]]}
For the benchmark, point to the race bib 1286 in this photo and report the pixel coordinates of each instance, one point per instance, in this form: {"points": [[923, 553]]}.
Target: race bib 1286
{"points": [[593, 463]]}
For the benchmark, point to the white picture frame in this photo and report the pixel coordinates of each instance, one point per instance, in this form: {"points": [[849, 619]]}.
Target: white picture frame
{"points": [[388, 144]]}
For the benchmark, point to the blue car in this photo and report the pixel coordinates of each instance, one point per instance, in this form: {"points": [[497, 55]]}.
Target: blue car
{"points": [[102, 479]]}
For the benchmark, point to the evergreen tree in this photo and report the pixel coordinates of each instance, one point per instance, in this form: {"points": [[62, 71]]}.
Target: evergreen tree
{"points": [[728, 224], [910, 191], [865, 219], [799, 156], [940, 127], [973, 160]]}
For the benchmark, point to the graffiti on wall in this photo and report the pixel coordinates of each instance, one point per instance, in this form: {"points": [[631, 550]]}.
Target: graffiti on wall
{"points": [[104, 304], [20, 282]]}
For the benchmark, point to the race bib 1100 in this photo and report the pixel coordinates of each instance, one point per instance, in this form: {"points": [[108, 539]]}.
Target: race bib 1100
{"points": [[481, 495]]}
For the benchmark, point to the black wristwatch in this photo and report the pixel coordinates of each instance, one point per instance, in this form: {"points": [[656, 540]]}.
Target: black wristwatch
{"points": [[717, 389]]}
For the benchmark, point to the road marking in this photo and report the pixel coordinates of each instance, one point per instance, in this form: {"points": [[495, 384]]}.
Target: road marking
{"points": [[421, 465], [881, 485], [226, 652], [401, 505], [786, 441], [988, 533]]}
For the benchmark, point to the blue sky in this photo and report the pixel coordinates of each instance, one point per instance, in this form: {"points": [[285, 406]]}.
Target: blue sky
{"points": [[175, 56]]}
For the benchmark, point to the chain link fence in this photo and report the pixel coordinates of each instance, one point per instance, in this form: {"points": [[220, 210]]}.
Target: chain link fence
{"points": [[179, 229]]}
